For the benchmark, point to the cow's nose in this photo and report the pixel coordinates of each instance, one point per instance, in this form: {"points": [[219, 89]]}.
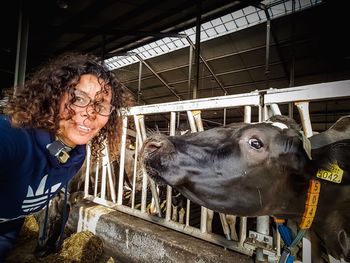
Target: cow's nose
{"points": [[153, 146], [158, 144]]}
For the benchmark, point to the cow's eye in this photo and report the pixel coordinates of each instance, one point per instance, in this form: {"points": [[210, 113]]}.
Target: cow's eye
{"points": [[255, 143]]}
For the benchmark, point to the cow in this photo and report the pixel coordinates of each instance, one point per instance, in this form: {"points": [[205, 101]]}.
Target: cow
{"points": [[261, 169]]}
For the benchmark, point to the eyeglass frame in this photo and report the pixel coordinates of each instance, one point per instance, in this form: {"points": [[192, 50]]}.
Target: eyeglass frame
{"points": [[91, 102]]}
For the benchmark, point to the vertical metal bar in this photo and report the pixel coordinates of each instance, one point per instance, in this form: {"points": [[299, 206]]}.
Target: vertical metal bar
{"points": [[265, 113], [144, 192], [191, 121], [155, 197], [267, 55], [198, 120], [138, 129], [303, 108], [197, 51], [204, 219], [278, 244], [135, 173], [172, 123], [143, 127], [96, 176], [22, 44], [144, 174], [225, 226], [290, 110], [122, 160], [190, 64], [292, 66], [260, 117], [169, 188], [103, 178], [188, 209], [87, 171], [275, 109], [225, 113], [247, 114], [262, 226], [109, 175], [139, 85]]}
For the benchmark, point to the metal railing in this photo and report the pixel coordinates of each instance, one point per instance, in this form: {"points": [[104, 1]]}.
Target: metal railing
{"points": [[266, 101]]}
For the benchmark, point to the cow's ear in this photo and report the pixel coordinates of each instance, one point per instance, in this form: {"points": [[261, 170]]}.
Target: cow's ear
{"points": [[291, 154], [337, 132], [327, 158]]}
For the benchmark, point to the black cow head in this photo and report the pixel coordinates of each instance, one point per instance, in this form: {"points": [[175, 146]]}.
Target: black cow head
{"points": [[252, 169]]}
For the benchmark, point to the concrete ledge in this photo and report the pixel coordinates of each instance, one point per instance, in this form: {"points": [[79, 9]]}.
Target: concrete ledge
{"points": [[131, 239]]}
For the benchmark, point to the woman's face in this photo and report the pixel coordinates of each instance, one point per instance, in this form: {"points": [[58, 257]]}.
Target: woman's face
{"points": [[86, 122]]}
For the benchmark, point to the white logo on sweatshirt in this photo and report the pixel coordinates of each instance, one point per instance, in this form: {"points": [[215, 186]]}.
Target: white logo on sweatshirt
{"points": [[35, 200]]}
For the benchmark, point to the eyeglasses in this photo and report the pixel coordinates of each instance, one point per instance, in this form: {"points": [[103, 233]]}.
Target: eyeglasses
{"points": [[82, 100]]}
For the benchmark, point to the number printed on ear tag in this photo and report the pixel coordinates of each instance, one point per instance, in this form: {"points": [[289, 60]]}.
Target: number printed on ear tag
{"points": [[333, 174]]}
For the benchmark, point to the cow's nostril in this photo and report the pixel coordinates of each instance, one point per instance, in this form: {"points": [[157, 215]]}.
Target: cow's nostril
{"points": [[153, 146]]}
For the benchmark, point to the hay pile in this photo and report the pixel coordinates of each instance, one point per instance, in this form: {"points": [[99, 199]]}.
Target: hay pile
{"points": [[82, 247], [29, 230], [79, 247]]}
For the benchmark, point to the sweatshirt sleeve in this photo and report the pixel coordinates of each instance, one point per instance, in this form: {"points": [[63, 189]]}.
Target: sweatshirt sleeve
{"points": [[13, 142]]}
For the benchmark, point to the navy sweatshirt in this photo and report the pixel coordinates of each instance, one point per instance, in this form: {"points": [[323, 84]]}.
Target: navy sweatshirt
{"points": [[29, 175]]}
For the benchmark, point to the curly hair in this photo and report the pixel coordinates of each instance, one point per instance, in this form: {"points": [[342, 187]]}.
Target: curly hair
{"points": [[36, 105]]}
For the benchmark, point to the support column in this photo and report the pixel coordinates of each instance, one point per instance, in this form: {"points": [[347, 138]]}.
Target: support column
{"points": [[22, 43]]}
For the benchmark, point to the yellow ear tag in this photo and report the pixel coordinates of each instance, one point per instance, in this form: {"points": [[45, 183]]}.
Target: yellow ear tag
{"points": [[333, 174]]}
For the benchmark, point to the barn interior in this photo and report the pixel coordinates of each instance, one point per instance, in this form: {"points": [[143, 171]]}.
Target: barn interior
{"points": [[155, 51], [238, 53]]}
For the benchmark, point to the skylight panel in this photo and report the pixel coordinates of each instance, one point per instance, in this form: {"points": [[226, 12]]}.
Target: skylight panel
{"points": [[252, 18], [205, 26], [237, 14], [241, 22], [216, 22], [220, 29], [210, 32], [230, 25], [217, 27], [226, 18]]}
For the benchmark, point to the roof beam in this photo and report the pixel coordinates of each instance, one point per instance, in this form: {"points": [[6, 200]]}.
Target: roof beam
{"points": [[158, 76], [118, 21], [208, 67], [182, 23]]}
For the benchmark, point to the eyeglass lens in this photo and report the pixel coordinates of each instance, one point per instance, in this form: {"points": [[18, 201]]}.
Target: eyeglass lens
{"points": [[81, 99]]}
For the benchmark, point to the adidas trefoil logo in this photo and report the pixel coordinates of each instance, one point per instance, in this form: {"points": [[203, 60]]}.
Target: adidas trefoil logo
{"points": [[35, 200]]}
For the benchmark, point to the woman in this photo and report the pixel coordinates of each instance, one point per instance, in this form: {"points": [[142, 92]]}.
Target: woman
{"points": [[68, 103]]}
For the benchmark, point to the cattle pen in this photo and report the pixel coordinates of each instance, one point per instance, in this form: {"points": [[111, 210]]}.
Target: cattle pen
{"points": [[253, 237]]}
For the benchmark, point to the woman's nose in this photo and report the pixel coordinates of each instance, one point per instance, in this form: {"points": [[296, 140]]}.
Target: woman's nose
{"points": [[90, 112]]}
